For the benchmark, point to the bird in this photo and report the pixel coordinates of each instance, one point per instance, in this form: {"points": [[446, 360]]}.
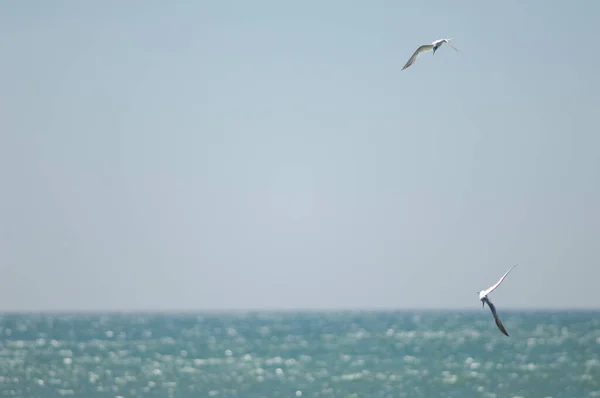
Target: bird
{"points": [[428, 47], [484, 300]]}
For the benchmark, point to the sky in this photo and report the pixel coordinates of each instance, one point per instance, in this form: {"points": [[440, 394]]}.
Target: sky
{"points": [[268, 155]]}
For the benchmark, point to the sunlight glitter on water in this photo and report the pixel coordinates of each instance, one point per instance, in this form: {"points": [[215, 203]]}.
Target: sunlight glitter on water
{"points": [[318, 355]]}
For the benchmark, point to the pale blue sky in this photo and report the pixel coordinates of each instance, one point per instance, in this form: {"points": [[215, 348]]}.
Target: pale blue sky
{"points": [[201, 155]]}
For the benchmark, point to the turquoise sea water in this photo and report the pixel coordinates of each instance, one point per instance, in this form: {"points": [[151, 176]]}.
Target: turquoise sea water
{"points": [[346, 354]]}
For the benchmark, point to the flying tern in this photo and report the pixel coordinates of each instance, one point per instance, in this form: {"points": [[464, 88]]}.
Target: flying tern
{"points": [[484, 300], [428, 47]]}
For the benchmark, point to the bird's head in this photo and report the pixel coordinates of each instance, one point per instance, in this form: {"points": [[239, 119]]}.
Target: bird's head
{"points": [[481, 298]]}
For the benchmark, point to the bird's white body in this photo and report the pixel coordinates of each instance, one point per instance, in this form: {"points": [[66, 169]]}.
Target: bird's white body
{"points": [[428, 47]]}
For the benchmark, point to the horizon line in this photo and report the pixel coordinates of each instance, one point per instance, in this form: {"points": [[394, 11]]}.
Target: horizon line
{"points": [[275, 310]]}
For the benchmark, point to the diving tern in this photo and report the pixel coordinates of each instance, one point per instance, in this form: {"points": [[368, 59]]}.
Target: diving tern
{"points": [[484, 300], [428, 47]]}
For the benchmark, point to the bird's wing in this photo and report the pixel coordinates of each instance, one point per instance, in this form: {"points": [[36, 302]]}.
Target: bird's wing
{"points": [[424, 47], [491, 289], [452, 45], [496, 318]]}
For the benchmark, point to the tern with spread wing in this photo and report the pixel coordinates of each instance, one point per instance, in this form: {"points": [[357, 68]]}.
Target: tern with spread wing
{"points": [[484, 300], [428, 47]]}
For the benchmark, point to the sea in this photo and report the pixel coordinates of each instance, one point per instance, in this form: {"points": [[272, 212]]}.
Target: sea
{"points": [[408, 354]]}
